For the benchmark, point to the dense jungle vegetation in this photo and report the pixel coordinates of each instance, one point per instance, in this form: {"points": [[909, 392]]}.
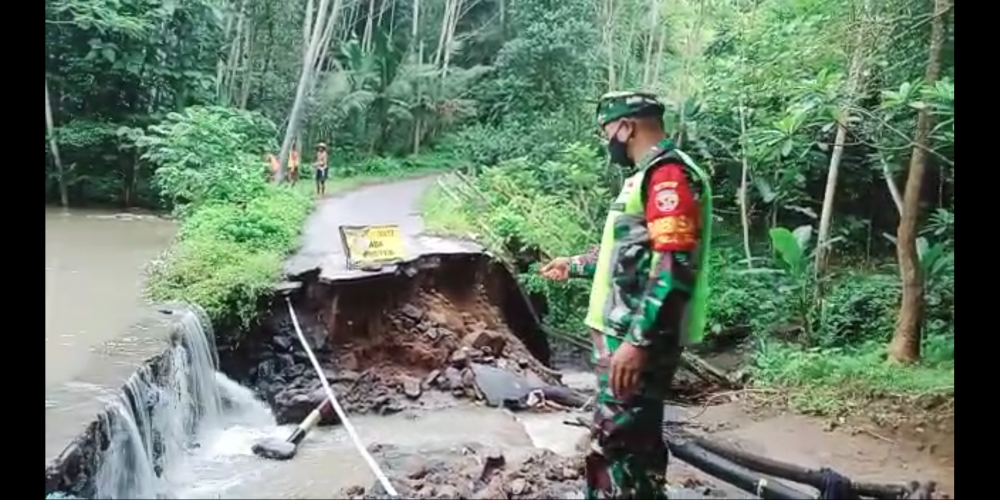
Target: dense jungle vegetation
{"points": [[828, 128]]}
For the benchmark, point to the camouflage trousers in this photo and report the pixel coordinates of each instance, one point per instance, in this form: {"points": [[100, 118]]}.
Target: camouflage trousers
{"points": [[627, 456]]}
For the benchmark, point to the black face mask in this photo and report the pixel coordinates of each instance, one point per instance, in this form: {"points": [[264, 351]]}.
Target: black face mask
{"points": [[618, 151]]}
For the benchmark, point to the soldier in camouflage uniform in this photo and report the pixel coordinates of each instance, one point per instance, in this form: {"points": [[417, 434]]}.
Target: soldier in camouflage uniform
{"points": [[648, 295]]}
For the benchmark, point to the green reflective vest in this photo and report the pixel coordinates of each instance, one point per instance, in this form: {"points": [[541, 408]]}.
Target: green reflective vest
{"points": [[625, 231]]}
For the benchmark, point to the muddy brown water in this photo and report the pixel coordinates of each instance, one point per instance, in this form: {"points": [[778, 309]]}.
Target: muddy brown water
{"points": [[93, 281], [96, 333], [97, 327]]}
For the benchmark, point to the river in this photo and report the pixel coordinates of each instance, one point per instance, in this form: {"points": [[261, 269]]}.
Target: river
{"points": [[94, 312], [93, 282]]}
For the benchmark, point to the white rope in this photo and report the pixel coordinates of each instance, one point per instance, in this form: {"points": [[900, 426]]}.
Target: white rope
{"points": [[382, 479]]}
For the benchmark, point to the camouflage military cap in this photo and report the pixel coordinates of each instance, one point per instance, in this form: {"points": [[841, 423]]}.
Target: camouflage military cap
{"points": [[615, 105]]}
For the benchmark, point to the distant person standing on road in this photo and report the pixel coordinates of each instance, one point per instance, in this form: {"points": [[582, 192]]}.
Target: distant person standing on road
{"points": [[293, 165], [321, 169]]}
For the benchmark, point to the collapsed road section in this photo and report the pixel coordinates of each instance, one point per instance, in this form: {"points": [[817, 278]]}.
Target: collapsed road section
{"points": [[454, 323], [404, 321]]}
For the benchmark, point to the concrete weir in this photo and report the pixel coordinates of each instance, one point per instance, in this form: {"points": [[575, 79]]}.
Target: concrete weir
{"points": [[106, 430]]}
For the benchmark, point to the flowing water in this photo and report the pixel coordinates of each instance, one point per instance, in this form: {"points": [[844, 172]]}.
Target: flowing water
{"points": [[97, 329], [93, 282], [157, 419], [182, 429], [187, 430]]}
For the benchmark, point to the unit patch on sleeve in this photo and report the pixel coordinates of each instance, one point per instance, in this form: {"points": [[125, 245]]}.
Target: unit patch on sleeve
{"points": [[667, 200]]}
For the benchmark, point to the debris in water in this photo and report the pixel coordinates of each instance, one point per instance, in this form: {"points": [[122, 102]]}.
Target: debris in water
{"points": [[274, 448]]}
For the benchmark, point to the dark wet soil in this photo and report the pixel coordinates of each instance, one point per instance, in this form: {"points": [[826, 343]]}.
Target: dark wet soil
{"points": [[475, 472]]}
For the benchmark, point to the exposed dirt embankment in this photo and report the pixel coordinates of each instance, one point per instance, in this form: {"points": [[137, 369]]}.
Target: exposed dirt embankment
{"points": [[457, 328], [392, 342]]}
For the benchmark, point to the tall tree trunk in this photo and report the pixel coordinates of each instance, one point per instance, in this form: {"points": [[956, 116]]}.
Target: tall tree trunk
{"points": [[608, 35], [905, 344], [249, 54], [443, 33], [854, 84], [236, 49], [890, 183], [450, 40], [307, 28], [269, 51], [50, 127], [220, 70], [744, 186], [418, 56], [625, 69], [661, 47], [366, 38], [503, 19], [324, 14], [647, 64], [324, 50], [415, 27]]}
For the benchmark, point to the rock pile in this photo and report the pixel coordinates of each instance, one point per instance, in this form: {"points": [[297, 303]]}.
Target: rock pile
{"points": [[474, 472], [390, 363]]}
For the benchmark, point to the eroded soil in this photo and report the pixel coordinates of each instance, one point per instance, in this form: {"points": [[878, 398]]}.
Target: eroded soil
{"points": [[412, 345]]}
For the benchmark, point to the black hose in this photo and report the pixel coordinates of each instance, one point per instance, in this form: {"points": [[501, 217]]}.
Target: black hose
{"points": [[814, 478], [732, 473]]}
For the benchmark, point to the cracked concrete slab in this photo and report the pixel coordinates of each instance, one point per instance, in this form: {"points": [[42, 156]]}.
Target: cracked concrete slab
{"points": [[389, 203]]}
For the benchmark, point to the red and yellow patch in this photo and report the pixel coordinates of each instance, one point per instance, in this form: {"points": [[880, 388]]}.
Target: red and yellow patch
{"points": [[676, 232]]}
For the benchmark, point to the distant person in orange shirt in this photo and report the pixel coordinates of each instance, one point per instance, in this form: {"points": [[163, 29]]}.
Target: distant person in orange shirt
{"points": [[293, 166], [321, 169], [275, 165]]}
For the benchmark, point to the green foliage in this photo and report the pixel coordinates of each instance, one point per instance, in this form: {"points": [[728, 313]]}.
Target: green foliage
{"points": [[380, 101], [791, 247], [236, 229], [526, 209], [391, 166], [753, 90], [826, 377], [743, 298], [858, 307], [122, 64], [209, 154], [542, 70], [228, 256], [90, 148]]}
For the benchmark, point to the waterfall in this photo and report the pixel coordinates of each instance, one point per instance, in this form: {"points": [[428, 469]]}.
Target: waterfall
{"points": [[154, 422]]}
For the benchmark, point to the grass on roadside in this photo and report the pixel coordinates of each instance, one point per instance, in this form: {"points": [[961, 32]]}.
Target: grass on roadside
{"points": [[832, 381], [445, 215], [227, 256]]}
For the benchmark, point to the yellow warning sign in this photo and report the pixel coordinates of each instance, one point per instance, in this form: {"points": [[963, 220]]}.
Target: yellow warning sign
{"points": [[372, 246]]}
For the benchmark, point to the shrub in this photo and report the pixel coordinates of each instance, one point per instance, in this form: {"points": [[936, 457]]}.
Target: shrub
{"points": [[209, 153], [858, 307], [228, 256], [235, 227], [528, 203]]}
